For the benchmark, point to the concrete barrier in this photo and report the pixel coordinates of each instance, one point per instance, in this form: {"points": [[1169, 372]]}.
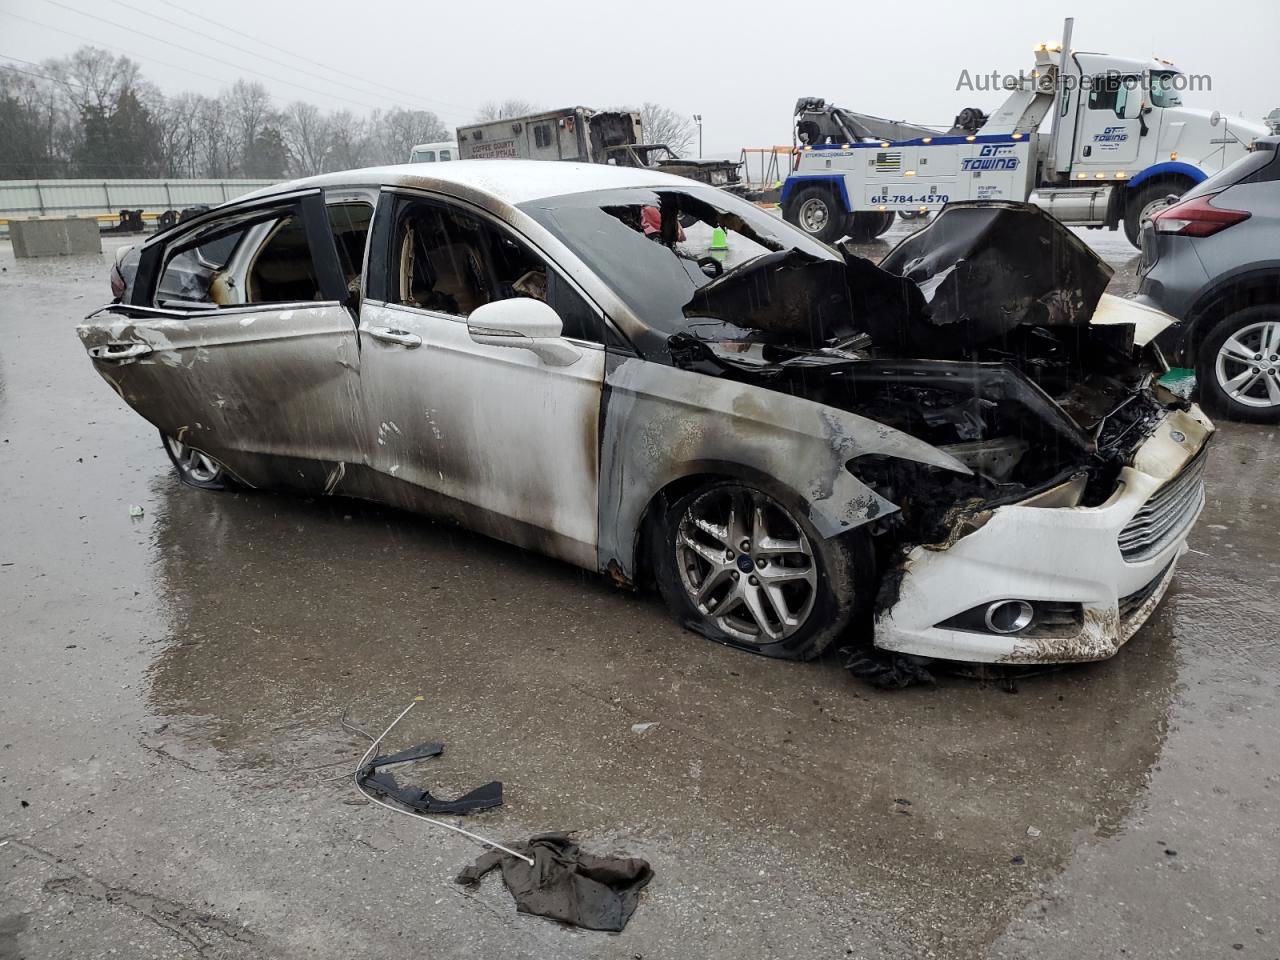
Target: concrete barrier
{"points": [[105, 199], [55, 236]]}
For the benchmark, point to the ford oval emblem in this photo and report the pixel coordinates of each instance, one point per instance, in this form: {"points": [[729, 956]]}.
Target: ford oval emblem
{"points": [[1177, 435]]}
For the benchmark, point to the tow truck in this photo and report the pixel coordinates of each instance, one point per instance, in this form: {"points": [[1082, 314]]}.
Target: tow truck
{"points": [[1120, 144]]}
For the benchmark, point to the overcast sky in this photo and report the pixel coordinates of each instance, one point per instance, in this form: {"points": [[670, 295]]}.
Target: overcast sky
{"points": [[740, 65]]}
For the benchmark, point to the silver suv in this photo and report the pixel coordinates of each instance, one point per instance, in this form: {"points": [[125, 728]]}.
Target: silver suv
{"points": [[1212, 260]]}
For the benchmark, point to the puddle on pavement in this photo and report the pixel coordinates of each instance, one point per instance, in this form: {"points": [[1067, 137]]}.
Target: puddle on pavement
{"points": [[259, 618], [284, 612]]}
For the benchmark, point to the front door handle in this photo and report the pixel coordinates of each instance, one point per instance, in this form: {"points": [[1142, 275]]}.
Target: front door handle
{"points": [[116, 352], [392, 335]]}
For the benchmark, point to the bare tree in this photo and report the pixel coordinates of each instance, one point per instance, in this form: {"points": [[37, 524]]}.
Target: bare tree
{"points": [[348, 141], [89, 82], [173, 136], [93, 109], [182, 115], [92, 77], [28, 117], [501, 110], [394, 133], [248, 110], [31, 117], [664, 125], [308, 136], [218, 155]]}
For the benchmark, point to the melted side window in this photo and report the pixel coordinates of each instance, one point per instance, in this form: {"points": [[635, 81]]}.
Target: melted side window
{"points": [[192, 275], [281, 270], [448, 261], [251, 258], [349, 223]]}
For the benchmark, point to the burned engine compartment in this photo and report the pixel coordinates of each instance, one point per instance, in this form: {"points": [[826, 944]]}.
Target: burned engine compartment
{"points": [[974, 335]]}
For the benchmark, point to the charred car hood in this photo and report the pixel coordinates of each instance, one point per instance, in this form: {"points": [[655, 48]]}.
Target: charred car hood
{"points": [[979, 276], [986, 268], [987, 332]]}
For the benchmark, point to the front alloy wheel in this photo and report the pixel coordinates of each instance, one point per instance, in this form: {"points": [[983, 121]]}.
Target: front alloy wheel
{"points": [[746, 565], [740, 564]]}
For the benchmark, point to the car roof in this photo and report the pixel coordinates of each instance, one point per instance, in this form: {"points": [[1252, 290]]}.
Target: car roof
{"points": [[513, 181]]}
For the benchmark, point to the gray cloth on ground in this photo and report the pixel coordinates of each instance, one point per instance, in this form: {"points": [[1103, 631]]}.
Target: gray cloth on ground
{"points": [[566, 884]]}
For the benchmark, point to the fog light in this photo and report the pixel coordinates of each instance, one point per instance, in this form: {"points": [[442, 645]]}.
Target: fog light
{"points": [[1009, 616]]}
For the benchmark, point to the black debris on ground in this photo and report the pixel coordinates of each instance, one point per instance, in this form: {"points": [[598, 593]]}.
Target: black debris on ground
{"points": [[567, 884], [887, 671], [374, 777]]}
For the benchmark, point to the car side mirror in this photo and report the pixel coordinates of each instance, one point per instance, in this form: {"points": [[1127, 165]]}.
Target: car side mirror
{"points": [[1132, 108], [524, 323]]}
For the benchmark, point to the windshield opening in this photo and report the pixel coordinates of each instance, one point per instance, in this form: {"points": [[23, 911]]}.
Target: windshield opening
{"points": [[1164, 88], [658, 248]]}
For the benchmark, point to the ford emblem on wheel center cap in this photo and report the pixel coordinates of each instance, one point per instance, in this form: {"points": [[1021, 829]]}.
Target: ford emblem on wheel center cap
{"points": [[744, 563]]}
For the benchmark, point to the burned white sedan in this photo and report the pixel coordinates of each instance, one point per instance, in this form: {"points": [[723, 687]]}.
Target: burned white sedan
{"points": [[960, 454]]}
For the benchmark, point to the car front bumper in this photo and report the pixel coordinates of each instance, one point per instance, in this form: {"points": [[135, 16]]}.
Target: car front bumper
{"points": [[1060, 555]]}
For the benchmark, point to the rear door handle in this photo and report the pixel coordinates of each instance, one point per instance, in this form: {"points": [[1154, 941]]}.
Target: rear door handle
{"points": [[391, 335], [116, 352]]}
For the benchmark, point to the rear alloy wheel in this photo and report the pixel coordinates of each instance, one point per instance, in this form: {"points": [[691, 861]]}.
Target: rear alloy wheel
{"points": [[740, 567], [1239, 365], [194, 468]]}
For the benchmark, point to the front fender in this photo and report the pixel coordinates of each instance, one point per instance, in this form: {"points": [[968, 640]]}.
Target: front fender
{"points": [[662, 423], [1169, 168]]}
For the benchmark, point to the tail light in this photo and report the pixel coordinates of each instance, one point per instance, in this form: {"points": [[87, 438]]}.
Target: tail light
{"points": [[117, 281], [1196, 217]]}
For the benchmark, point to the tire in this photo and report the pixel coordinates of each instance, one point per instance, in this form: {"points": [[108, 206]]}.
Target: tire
{"points": [[823, 583], [886, 222], [194, 468], [1244, 344], [1139, 207], [866, 227], [817, 212]]}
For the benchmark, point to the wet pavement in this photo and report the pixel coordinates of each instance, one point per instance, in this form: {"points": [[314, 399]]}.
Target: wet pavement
{"points": [[172, 767]]}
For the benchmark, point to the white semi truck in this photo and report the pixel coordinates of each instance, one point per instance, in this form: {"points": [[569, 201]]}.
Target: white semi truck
{"points": [[1119, 143]]}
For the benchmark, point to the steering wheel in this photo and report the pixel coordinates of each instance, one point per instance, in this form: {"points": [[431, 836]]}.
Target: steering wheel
{"points": [[716, 267]]}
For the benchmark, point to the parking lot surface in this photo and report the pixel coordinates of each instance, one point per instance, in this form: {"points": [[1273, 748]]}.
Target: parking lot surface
{"points": [[173, 770]]}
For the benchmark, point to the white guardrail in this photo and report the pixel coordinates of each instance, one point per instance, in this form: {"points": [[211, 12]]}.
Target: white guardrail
{"points": [[104, 199]]}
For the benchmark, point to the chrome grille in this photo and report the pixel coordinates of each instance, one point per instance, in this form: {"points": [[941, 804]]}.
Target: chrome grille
{"points": [[1167, 514]]}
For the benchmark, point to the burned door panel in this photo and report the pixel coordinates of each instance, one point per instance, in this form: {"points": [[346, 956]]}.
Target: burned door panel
{"points": [[244, 358], [491, 436], [488, 436], [244, 386]]}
